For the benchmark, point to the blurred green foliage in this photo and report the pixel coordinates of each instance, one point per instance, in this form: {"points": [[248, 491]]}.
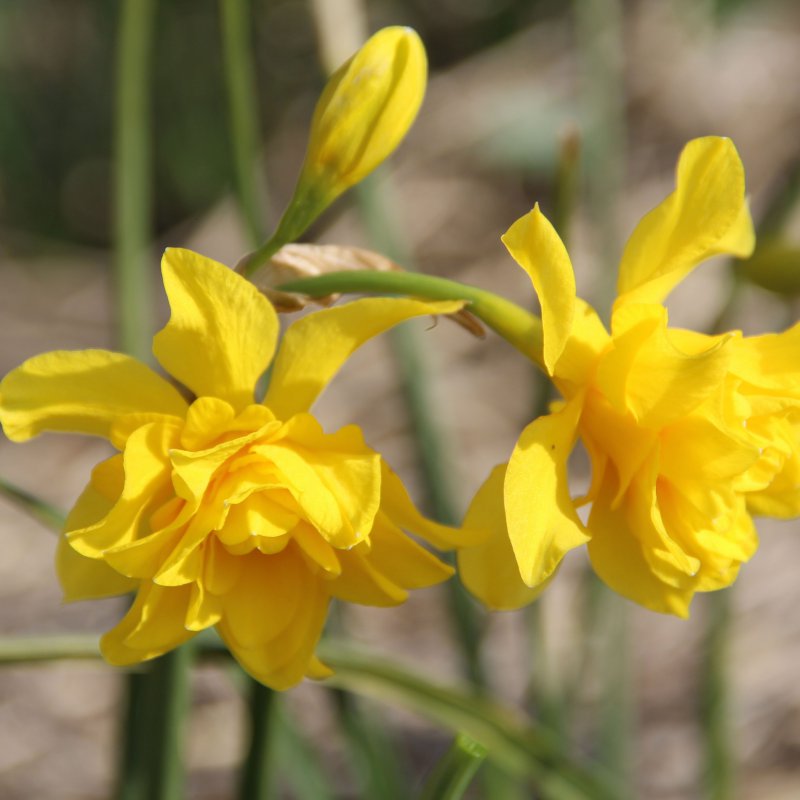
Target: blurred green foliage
{"points": [[57, 65]]}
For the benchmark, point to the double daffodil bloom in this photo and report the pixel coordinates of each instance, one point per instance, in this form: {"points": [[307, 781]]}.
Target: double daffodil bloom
{"points": [[218, 510], [688, 434]]}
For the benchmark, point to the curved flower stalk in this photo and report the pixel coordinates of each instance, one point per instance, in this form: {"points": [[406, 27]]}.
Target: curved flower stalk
{"points": [[218, 510], [366, 109], [688, 434]]}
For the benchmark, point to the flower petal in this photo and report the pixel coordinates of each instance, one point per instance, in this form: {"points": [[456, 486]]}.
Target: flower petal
{"points": [[400, 509], [618, 557], [147, 486], [272, 627], [490, 570], [153, 625], [85, 391], [542, 522], [363, 583], [85, 578], [537, 248], [643, 348], [222, 331], [399, 557], [315, 347], [705, 216]]}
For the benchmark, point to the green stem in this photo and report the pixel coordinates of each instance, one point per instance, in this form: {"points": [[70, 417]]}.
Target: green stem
{"points": [[454, 772], [242, 112], [167, 701], [519, 327], [133, 190], [256, 772], [714, 703]]}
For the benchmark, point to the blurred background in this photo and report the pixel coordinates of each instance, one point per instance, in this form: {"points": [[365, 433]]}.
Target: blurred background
{"points": [[520, 93]]}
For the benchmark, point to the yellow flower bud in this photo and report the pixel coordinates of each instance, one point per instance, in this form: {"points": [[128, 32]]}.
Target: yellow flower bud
{"points": [[365, 110]]}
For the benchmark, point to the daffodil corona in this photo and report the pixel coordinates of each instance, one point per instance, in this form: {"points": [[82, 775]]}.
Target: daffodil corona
{"points": [[218, 510], [688, 434]]}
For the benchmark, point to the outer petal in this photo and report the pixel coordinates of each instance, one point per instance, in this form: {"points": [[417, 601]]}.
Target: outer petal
{"points": [[85, 578], [399, 508], [315, 347], [273, 618], [222, 332], [618, 558], [706, 215], [541, 517], [536, 247], [490, 570], [646, 374], [85, 391], [771, 361], [153, 625]]}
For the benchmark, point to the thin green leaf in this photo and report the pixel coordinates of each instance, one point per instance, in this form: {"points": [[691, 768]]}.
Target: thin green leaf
{"points": [[48, 515], [514, 743]]}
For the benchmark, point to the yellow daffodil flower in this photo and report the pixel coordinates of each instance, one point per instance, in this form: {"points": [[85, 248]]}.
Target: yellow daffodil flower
{"points": [[688, 434], [218, 510]]}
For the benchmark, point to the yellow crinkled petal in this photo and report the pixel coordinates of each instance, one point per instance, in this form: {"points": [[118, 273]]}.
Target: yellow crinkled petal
{"points": [[537, 248], [400, 509], [706, 215], [83, 391], [587, 340], [541, 518], [346, 466], [194, 469], [666, 558], [398, 556], [153, 625], [720, 543], [363, 583], [85, 578], [315, 482], [617, 556], [318, 553], [696, 450], [366, 109], [221, 570], [146, 487], [221, 333], [315, 347], [614, 436], [490, 570], [265, 596], [645, 374], [274, 640], [205, 608], [771, 361], [779, 460]]}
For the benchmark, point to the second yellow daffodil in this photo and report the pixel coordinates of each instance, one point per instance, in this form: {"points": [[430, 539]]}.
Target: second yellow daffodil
{"points": [[688, 434]]}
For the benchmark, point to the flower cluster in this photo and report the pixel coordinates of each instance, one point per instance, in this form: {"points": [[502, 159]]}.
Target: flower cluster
{"points": [[688, 434]]}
